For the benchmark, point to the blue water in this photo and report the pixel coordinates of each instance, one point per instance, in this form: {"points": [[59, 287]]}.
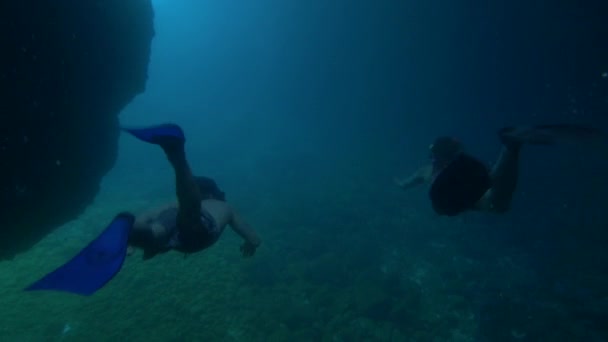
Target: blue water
{"points": [[304, 112]]}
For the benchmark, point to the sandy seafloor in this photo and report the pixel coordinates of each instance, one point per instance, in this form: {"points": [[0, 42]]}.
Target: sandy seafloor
{"points": [[334, 266]]}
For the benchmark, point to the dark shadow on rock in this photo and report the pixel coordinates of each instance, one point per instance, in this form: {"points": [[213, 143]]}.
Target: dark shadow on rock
{"points": [[67, 69]]}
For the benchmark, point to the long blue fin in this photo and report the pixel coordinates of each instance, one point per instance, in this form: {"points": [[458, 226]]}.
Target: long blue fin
{"points": [[159, 134], [95, 265]]}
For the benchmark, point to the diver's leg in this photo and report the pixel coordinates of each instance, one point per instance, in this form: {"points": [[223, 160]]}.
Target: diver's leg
{"points": [[504, 177], [152, 238], [171, 138], [187, 191]]}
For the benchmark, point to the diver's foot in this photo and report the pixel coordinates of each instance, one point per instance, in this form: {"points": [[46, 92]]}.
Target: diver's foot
{"points": [[168, 136], [509, 139]]}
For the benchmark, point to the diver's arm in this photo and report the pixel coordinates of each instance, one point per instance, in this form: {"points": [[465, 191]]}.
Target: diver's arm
{"points": [[252, 240], [244, 230], [423, 175]]}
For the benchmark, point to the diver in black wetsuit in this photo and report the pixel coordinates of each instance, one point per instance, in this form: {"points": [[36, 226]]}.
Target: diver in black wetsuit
{"points": [[459, 182]]}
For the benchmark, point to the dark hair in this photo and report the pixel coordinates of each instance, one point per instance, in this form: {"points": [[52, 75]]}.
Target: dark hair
{"points": [[208, 188], [446, 148]]}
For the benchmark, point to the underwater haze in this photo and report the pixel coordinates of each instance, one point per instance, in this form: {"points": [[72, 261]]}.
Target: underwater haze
{"points": [[304, 112]]}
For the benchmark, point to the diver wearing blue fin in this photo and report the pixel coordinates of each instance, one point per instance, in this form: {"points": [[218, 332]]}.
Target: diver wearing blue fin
{"points": [[201, 213], [460, 183], [192, 224]]}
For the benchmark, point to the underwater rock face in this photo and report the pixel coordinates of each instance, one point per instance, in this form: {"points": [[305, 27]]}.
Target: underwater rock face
{"points": [[67, 68]]}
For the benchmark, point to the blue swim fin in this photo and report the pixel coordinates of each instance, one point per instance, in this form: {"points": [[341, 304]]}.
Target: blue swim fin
{"points": [[159, 135], [551, 134], [95, 265]]}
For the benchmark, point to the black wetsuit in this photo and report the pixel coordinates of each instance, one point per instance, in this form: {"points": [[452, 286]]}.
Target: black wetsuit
{"points": [[459, 186]]}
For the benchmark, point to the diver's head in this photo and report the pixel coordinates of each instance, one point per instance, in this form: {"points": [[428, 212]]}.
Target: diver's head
{"points": [[445, 149], [209, 188]]}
